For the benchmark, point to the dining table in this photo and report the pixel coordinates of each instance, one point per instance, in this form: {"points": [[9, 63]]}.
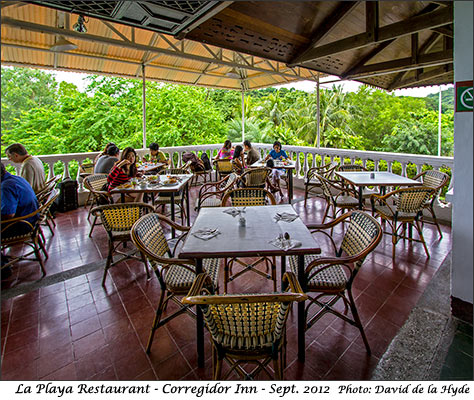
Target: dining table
{"points": [[148, 167], [380, 179], [259, 236], [288, 165], [153, 184]]}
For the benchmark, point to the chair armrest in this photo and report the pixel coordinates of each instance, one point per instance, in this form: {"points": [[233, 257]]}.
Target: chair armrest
{"points": [[170, 222]]}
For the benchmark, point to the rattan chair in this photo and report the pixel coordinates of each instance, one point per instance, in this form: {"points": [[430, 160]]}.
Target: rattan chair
{"points": [[255, 177], [244, 197], [34, 238], [117, 220], [95, 183], [223, 168], [43, 196], [351, 168], [331, 278], [163, 199], [246, 329], [435, 180], [313, 185], [211, 193], [338, 197], [175, 275], [400, 208]]}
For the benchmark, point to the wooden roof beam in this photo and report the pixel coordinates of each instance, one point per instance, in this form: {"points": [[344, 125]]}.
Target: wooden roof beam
{"points": [[327, 26], [404, 64], [445, 30], [424, 76], [411, 25]]}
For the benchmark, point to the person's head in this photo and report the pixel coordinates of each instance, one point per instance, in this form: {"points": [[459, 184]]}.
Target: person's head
{"points": [[107, 147], [277, 146], [113, 151], [238, 151], [16, 152], [247, 145], [129, 154], [154, 148], [3, 170], [270, 163], [227, 144]]}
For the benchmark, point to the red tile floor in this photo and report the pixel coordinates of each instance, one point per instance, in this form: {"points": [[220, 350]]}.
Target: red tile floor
{"points": [[76, 330]]}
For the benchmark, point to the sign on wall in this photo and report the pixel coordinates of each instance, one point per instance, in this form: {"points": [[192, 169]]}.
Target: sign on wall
{"points": [[464, 96]]}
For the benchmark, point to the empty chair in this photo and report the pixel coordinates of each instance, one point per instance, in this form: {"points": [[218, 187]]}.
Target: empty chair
{"points": [[223, 167], [174, 274], [244, 197], [211, 193], [435, 180], [351, 168], [330, 278], [246, 329], [255, 177], [400, 208], [43, 196], [117, 220], [95, 184], [312, 185]]}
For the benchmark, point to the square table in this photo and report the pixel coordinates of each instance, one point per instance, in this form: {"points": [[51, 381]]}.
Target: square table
{"points": [[182, 184], [289, 166], [251, 240], [147, 167], [377, 178]]}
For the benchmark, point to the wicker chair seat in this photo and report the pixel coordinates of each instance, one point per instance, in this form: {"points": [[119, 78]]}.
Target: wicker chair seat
{"points": [[209, 202], [179, 279], [119, 235], [246, 327], [165, 199], [332, 278], [344, 200], [18, 238], [385, 211]]}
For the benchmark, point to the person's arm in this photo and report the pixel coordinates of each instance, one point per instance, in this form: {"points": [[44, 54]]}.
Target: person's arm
{"points": [[9, 204], [28, 173]]}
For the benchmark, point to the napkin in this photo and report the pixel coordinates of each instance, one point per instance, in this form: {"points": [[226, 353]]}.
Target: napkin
{"points": [[206, 233], [234, 211], [286, 217], [285, 244]]}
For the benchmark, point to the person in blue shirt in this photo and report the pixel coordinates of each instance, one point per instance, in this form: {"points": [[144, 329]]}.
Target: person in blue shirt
{"points": [[277, 154], [18, 200]]}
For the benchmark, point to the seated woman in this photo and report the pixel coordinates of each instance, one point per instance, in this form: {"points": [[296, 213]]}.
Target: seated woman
{"points": [[226, 152], [123, 171], [104, 152], [277, 154], [238, 162]]}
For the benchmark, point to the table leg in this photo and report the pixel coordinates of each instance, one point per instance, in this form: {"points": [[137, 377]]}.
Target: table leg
{"points": [[122, 197], [173, 232], [188, 217], [301, 311], [199, 324], [290, 185], [361, 199], [283, 270]]}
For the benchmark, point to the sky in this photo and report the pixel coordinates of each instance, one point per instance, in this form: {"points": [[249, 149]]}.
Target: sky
{"points": [[308, 86]]}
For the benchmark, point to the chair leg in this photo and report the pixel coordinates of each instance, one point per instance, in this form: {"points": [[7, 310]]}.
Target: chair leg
{"points": [[145, 262], [433, 215], [357, 321], [38, 256], [93, 224], [156, 321], [305, 197], [420, 233], [277, 368], [108, 262]]}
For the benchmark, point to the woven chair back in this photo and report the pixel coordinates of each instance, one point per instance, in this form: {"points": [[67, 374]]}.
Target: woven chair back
{"points": [[325, 186], [121, 217], [95, 182], [87, 168], [362, 236], [435, 179], [412, 200], [174, 171], [223, 165], [351, 167], [249, 197], [229, 182], [148, 236], [255, 177]]}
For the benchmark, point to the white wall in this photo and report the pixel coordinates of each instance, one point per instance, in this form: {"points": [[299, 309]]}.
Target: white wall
{"points": [[462, 254]]}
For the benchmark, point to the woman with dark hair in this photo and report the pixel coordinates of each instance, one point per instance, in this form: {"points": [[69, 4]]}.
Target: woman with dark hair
{"points": [[226, 152], [238, 162], [104, 152], [123, 171]]}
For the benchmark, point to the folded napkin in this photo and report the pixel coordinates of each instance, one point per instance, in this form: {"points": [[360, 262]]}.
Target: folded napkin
{"points": [[206, 233], [285, 244], [287, 217], [234, 211]]}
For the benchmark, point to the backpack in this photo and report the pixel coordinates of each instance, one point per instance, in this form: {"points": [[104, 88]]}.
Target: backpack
{"points": [[67, 199], [206, 161]]}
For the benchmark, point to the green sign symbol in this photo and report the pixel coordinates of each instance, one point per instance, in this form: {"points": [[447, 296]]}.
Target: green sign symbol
{"points": [[466, 98]]}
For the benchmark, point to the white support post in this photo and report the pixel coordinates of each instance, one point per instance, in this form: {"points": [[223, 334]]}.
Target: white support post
{"points": [[144, 104], [243, 114], [439, 123], [318, 114]]}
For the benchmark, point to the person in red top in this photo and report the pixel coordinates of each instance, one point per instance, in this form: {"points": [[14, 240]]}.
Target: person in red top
{"points": [[123, 171]]}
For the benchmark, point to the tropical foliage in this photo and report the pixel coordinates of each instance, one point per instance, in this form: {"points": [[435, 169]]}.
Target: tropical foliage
{"points": [[51, 118]]}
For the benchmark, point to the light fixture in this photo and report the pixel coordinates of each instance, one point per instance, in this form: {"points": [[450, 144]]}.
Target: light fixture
{"points": [[62, 44], [233, 73], [80, 26]]}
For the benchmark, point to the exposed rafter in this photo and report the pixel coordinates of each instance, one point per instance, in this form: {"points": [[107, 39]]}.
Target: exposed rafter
{"points": [[411, 25], [424, 76]]}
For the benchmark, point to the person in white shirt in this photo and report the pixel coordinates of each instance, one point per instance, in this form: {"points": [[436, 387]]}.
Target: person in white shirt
{"points": [[32, 168]]}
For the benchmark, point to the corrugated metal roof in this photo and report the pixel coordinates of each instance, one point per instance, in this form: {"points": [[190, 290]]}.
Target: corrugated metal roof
{"points": [[28, 31]]}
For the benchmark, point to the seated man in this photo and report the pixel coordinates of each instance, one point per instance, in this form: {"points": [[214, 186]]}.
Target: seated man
{"points": [[156, 155], [18, 200], [107, 161], [252, 154], [31, 167]]}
